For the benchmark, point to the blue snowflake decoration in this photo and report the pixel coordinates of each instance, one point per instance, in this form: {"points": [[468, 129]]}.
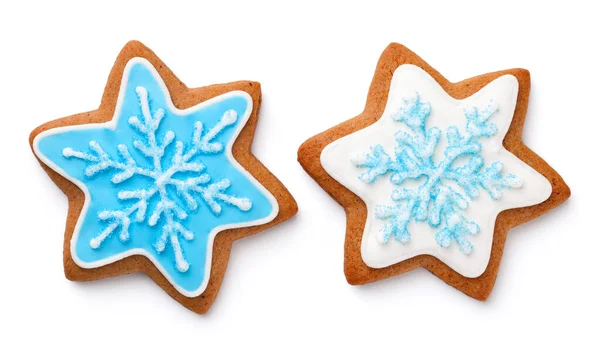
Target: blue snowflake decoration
{"points": [[438, 200], [161, 180]]}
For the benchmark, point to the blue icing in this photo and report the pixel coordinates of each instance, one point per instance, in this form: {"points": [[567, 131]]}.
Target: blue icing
{"points": [[160, 182], [438, 200]]}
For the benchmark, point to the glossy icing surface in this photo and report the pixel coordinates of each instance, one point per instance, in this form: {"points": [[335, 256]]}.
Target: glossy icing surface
{"points": [[159, 181], [433, 172]]}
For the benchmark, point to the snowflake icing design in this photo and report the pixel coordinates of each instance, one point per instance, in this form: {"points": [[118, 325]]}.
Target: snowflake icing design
{"points": [[438, 200], [167, 191]]}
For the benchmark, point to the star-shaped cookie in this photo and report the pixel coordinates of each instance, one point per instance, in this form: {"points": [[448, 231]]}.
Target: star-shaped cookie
{"points": [[161, 178], [433, 174]]}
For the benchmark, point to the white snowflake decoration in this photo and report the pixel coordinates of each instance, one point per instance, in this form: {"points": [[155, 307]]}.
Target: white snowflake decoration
{"points": [[166, 207]]}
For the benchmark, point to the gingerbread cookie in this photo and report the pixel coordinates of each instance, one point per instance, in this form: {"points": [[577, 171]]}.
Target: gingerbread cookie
{"points": [[161, 178], [433, 174]]}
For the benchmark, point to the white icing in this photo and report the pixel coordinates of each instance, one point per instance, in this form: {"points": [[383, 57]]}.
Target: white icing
{"points": [[228, 118], [407, 80]]}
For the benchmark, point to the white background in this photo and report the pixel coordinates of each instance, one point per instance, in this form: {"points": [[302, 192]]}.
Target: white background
{"points": [[284, 293]]}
